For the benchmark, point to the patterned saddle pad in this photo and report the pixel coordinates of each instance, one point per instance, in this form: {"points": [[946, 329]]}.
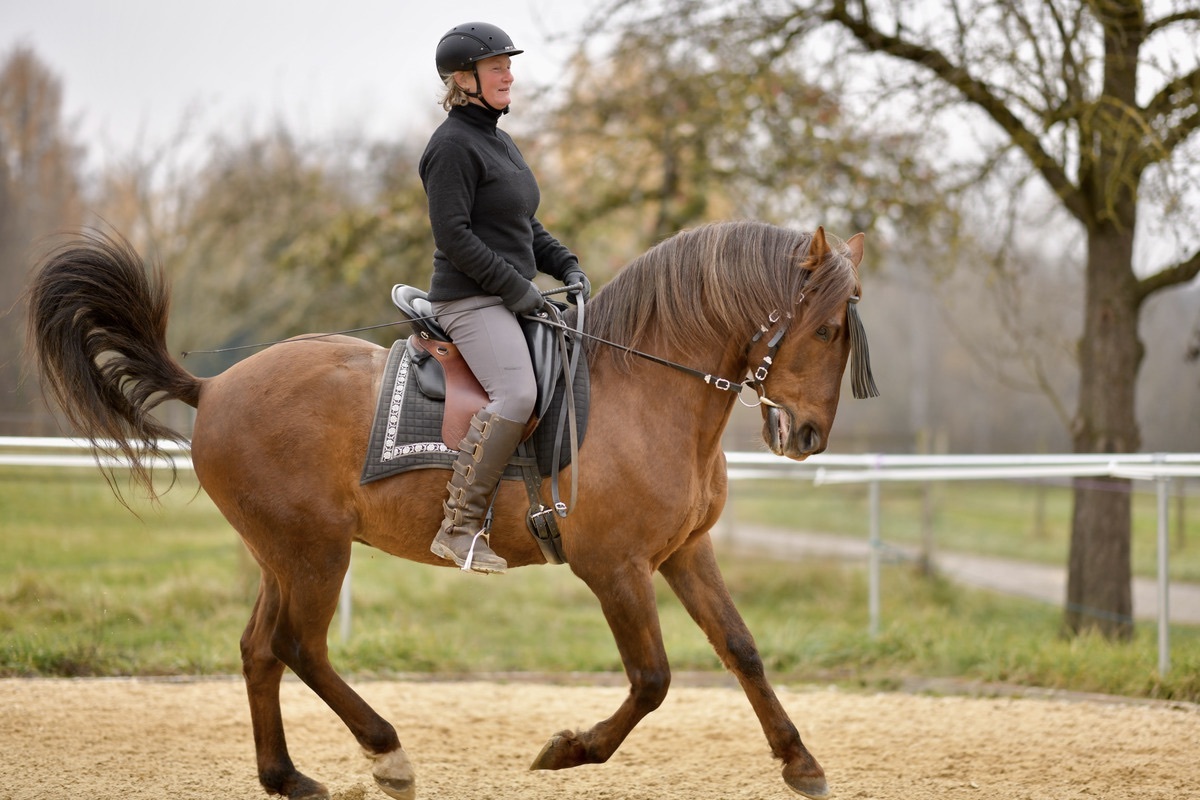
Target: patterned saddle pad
{"points": [[406, 431]]}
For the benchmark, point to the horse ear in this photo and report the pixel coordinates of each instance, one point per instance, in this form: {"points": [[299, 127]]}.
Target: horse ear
{"points": [[819, 247], [855, 246]]}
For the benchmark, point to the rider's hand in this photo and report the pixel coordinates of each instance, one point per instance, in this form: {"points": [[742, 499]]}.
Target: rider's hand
{"points": [[577, 276], [529, 302]]}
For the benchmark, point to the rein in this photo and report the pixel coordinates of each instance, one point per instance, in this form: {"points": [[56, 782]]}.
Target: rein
{"points": [[724, 384], [861, 380]]}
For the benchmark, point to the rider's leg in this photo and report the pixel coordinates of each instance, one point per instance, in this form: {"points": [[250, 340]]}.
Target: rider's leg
{"points": [[493, 345]]}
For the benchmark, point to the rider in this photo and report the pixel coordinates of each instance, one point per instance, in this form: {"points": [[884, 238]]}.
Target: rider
{"points": [[482, 200]]}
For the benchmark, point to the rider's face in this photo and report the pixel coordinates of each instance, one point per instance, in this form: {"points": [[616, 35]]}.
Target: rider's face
{"points": [[495, 80]]}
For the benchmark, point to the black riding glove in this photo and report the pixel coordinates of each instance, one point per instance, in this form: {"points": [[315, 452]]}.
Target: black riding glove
{"points": [[530, 302], [577, 276]]}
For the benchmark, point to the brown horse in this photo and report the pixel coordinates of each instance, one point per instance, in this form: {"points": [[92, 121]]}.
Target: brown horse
{"points": [[728, 299]]}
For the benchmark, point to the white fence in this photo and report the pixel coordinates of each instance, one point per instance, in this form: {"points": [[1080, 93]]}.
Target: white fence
{"points": [[871, 469], [876, 469]]}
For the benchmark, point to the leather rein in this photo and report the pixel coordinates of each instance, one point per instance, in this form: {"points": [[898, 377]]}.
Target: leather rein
{"points": [[755, 380]]}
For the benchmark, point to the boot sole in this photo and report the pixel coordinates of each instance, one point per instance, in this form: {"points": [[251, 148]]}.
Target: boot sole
{"points": [[442, 551]]}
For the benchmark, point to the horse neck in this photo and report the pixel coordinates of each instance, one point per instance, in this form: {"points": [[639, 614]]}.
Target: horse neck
{"points": [[686, 412]]}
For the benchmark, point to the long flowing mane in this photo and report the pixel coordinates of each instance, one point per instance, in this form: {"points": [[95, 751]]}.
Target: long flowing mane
{"points": [[704, 286]]}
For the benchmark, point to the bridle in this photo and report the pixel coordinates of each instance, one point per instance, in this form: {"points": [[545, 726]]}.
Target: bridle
{"points": [[754, 380], [862, 381]]}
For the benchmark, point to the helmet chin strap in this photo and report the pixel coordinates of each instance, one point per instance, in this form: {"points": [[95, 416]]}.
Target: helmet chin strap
{"points": [[478, 93]]}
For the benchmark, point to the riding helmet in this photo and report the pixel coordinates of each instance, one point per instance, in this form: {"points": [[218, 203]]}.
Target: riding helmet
{"points": [[465, 44]]}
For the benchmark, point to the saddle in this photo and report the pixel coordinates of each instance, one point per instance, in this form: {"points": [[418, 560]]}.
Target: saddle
{"points": [[439, 373], [442, 373]]}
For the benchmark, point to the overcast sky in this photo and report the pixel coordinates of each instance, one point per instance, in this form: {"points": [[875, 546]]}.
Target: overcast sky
{"points": [[132, 70]]}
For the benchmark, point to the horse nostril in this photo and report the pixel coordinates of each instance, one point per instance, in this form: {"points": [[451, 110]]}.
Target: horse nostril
{"points": [[811, 440]]}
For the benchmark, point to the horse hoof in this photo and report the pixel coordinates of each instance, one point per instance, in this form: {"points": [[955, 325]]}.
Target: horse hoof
{"points": [[394, 774], [561, 752], [308, 789], [802, 779]]}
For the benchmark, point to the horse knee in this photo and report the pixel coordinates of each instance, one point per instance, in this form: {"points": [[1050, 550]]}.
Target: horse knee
{"points": [[292, 651]]}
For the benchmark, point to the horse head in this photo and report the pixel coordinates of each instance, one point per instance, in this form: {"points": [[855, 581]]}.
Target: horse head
{"points": [[802, 383]]}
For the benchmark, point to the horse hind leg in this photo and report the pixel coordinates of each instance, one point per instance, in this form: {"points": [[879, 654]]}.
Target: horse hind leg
{"points": [[296, 638], [263, 672], [693, 574]]}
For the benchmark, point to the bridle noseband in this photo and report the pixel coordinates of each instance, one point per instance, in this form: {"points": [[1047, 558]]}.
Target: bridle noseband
{"points": [[758, 377]]}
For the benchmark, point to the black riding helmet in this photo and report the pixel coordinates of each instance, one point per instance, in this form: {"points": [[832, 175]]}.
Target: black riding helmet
{"points": [[465, 45]]}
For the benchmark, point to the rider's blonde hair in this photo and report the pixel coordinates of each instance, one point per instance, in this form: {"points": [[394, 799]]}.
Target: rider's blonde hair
{"points": [[454, 95]]}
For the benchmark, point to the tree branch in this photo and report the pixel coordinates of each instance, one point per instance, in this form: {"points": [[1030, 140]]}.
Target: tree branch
{"points": [[975, 91], [1171, 19], [1175, 275], [1179, 94]]}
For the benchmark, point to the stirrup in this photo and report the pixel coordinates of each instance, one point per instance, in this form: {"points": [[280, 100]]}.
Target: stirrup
{"points": [[484, 532]]}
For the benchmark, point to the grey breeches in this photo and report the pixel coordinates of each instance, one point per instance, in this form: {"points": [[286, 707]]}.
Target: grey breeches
{"points": [[490, 339]]}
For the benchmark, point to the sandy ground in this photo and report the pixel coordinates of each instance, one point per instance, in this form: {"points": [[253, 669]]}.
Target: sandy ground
{"points": [[143, 739]]}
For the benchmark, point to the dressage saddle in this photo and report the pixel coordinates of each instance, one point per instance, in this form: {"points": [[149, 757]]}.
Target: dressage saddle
{"points": [[443, 374]]}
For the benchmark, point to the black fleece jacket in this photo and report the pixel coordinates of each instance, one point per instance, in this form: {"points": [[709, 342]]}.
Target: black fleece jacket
{"points": [[483, 199]]}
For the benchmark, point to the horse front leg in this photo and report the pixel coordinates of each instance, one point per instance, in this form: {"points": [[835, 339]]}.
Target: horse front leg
{"points": [[627, 599], [694, 576]]}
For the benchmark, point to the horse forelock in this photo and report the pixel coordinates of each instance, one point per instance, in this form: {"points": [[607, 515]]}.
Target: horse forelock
{"points": [[705, 287], [832, 282]]}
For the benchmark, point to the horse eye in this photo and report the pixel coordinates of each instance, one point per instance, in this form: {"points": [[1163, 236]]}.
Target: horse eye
{"points": [[823, 333]]}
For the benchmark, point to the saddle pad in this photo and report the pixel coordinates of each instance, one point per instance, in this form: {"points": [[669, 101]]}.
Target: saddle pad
{"points": [[406, 431]]}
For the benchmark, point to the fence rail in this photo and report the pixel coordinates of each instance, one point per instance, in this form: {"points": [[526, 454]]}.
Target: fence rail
{"points": [[872, 469]]}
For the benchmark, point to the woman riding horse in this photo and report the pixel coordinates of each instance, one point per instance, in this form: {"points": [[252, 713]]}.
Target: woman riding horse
{"points": [[482, 204]]}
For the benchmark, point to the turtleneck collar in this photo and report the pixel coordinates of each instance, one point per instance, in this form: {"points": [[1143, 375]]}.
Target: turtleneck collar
{"points": [[479, 115]]}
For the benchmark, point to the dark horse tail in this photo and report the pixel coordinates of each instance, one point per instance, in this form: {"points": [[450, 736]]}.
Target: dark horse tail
{"points": [[97, 331]]}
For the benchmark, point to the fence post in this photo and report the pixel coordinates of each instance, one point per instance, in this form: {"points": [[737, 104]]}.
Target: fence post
{"points": [[344, 607], [1163, 484], [873, 554]]}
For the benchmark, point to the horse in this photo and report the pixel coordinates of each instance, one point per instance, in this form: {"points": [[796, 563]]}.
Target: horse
{"points": [[719, 308]]}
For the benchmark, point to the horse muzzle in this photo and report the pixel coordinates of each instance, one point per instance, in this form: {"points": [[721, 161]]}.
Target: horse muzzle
{"points": [[785, 438]]}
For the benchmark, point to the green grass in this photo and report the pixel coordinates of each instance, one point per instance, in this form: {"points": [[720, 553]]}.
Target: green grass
{"points": [[86, 588], [1005, 519]]}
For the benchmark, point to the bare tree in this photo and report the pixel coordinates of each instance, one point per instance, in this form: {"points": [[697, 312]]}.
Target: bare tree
{"points": [[270, 237]]}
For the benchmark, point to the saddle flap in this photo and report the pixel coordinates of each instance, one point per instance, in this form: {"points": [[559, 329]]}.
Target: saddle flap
{"points": [[547, 362], [461, 390]]}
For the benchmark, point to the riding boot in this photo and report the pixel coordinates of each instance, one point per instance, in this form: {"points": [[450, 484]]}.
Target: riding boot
{"points": [[482, 456]]}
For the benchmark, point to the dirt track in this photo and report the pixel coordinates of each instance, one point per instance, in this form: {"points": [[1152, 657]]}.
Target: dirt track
{"points": [[138, 740]]}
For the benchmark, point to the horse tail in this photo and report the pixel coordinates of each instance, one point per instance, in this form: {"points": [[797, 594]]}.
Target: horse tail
{"points": [[96, 331]]}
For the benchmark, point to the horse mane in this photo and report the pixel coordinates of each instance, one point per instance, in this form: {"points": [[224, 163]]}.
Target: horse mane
{"points": [[703, 287]]}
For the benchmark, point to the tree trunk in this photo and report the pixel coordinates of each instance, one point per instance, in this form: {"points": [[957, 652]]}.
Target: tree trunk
{"points": [[1099, 576]]}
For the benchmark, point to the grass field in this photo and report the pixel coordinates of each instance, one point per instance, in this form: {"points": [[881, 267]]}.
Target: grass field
{"points": [[87, 588], [1009, 519]]}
